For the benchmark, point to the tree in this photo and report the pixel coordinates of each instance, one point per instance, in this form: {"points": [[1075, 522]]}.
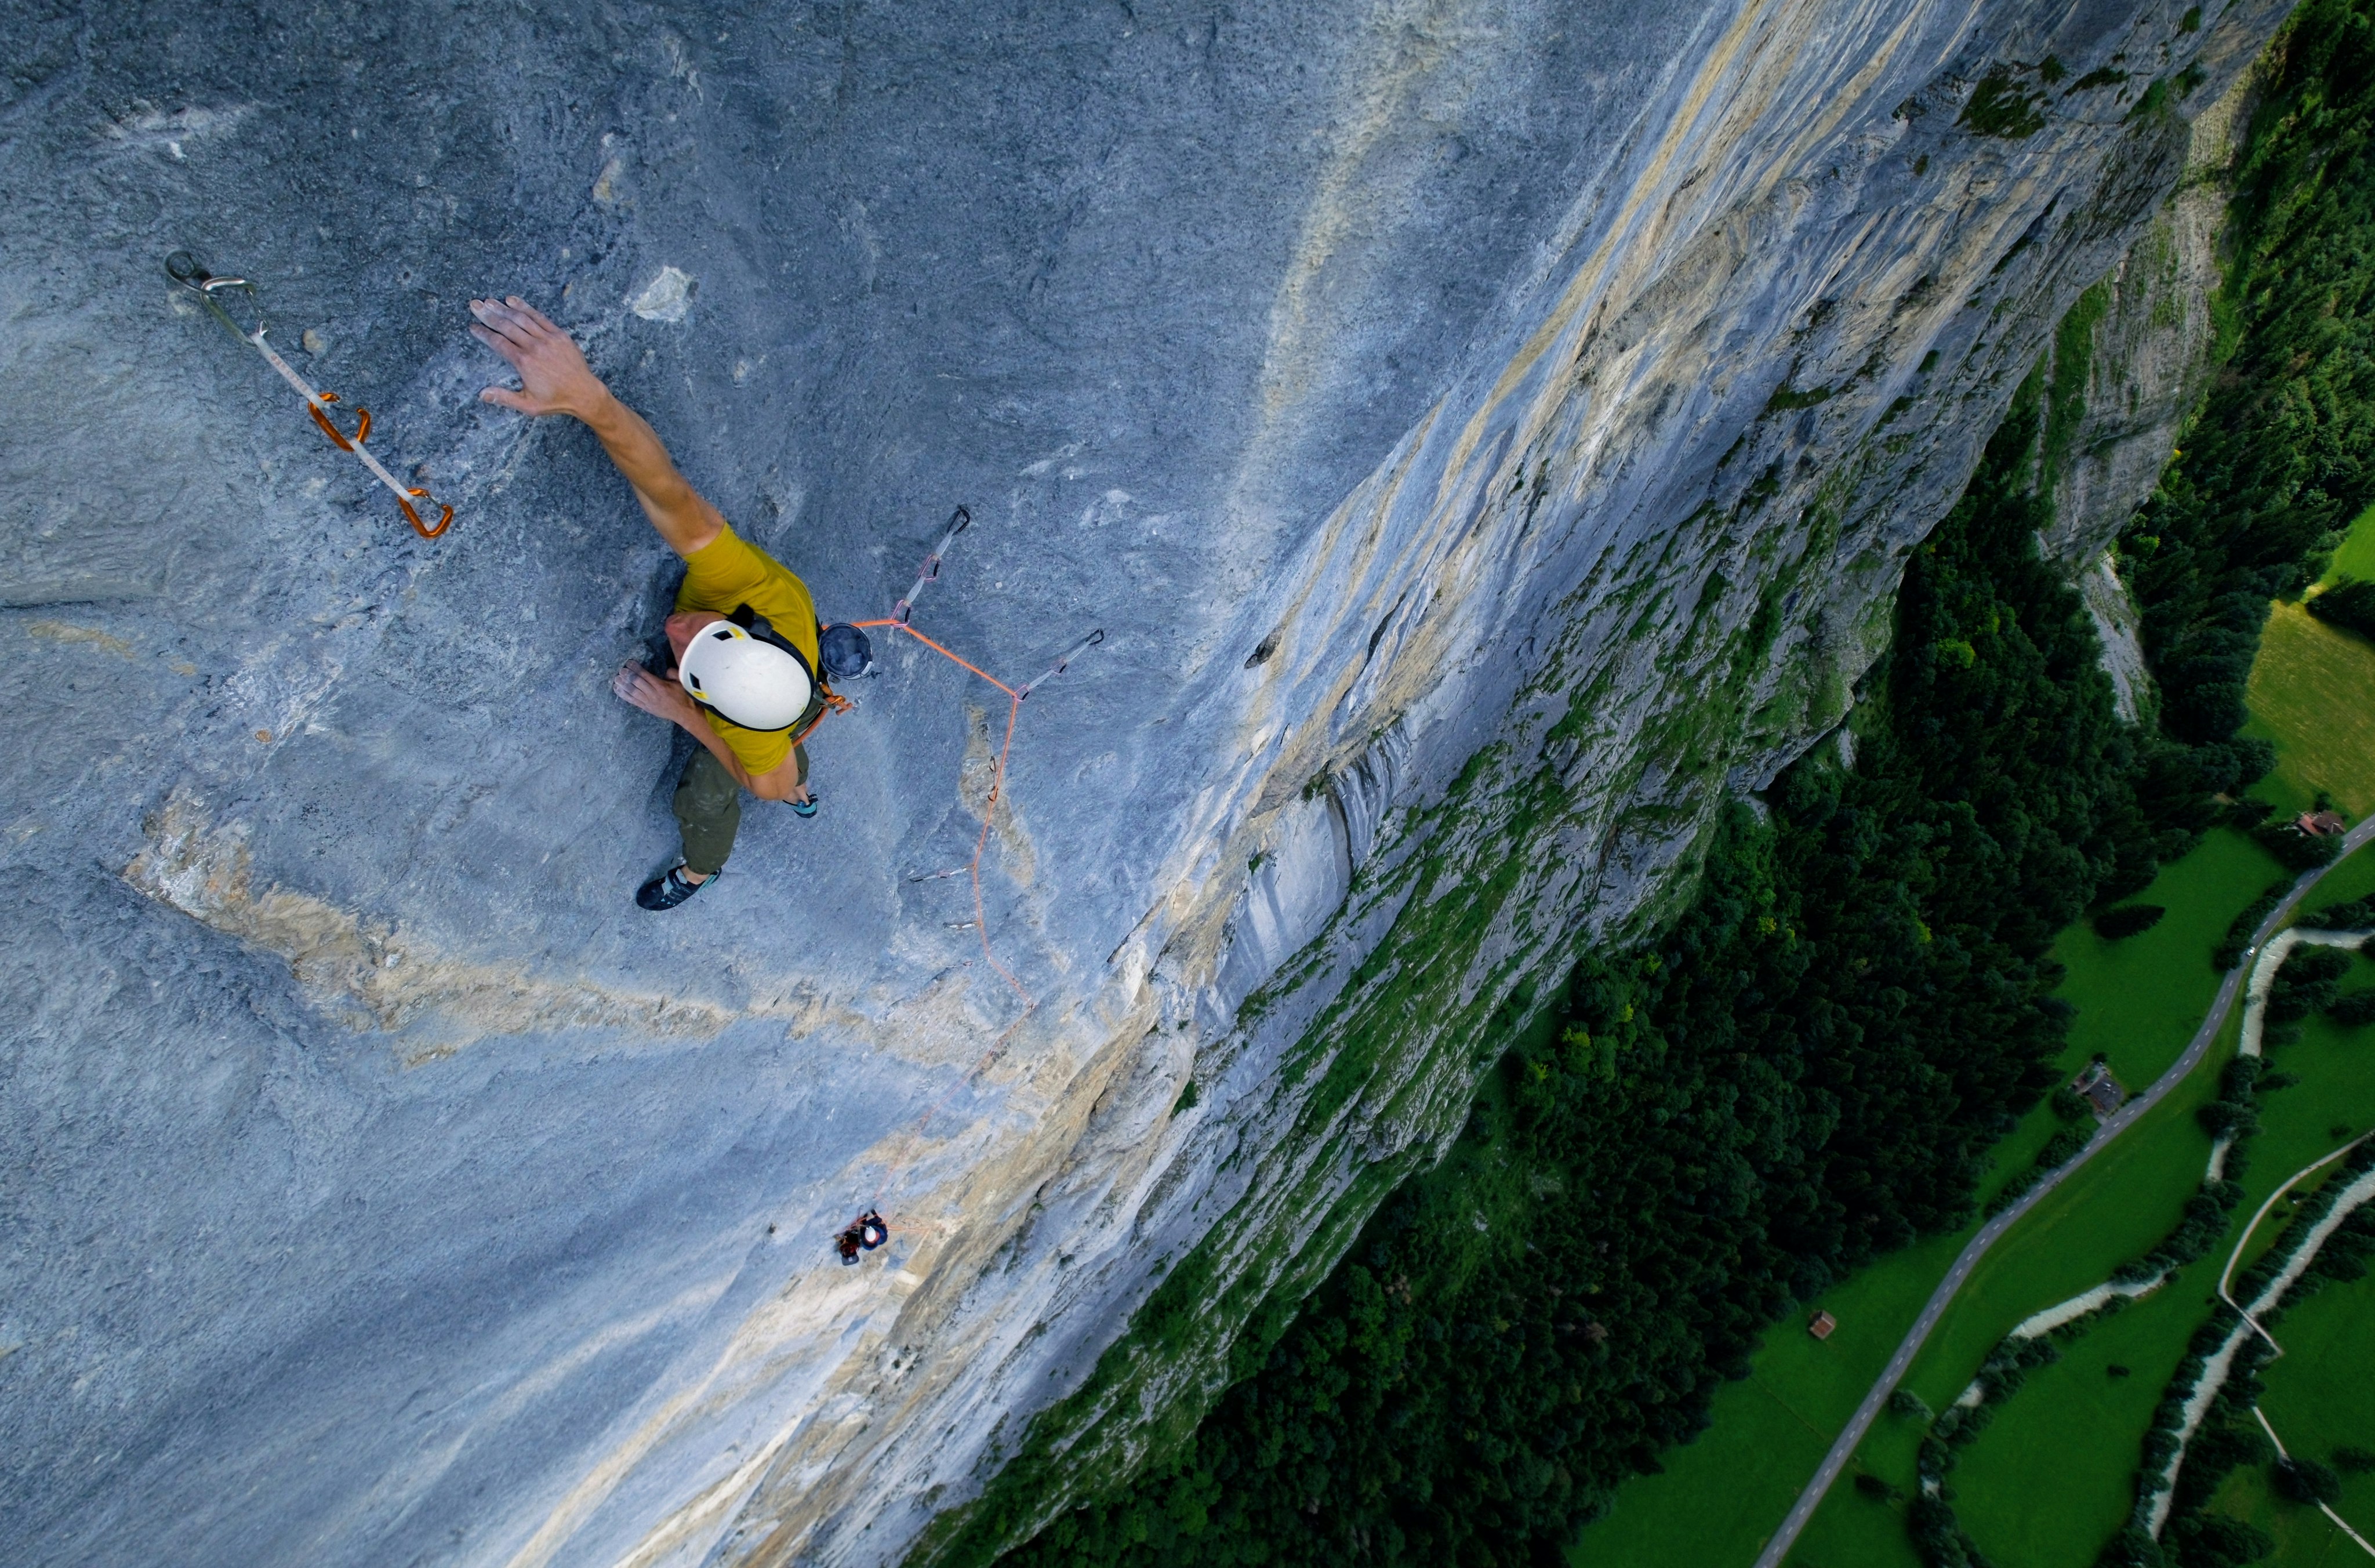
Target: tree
{"points": [[2355, 1011], [2303, 852], [2132, 1548], [2213, 1540], [2127, 920], [1906, 1402], [2224, 1118], [2306, 1482], [2349, 604], [2307, 983]]}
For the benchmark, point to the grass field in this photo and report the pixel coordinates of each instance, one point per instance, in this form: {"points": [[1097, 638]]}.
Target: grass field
{"points": [[2069, 1442], [2357, 556], [2333, 1102], [2308, 694], [2053, 1476], [1722, 1496], [2012, 1496], [2139, 1000], [2318, 1398], [2354, 878], [2050, 1481]]}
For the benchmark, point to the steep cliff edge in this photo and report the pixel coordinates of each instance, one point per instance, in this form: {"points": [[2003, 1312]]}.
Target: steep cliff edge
{"points": [[2135, 357], [1488, 437]]}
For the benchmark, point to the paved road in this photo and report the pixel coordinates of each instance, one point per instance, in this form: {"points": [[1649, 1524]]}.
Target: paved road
{"points": [[1836, 1460]]}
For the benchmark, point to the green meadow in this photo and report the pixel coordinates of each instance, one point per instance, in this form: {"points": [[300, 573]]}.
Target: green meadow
{"points": [[2308, 694], [2318, 1400], [2139, 1001]]}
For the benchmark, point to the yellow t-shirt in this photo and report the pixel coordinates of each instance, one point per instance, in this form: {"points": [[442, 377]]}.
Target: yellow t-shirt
{"points": [[726, 573]]}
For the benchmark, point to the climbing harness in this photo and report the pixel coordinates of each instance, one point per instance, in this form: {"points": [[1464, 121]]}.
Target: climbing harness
{"points": [[212, 291], [852, 1239]]}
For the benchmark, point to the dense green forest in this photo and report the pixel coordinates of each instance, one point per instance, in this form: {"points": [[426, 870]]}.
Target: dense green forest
{"points": [[1808, 1068]]}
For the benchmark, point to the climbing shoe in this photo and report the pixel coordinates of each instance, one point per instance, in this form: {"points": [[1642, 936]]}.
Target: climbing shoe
{"points": [[668, 891], [805, 807]]}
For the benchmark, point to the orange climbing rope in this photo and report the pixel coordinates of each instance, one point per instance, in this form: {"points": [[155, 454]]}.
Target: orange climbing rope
{"points": [[998, 777], [183, 269], [989, 807]]}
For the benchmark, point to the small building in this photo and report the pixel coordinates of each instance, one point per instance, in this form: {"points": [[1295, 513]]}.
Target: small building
{"points": [[2320, 824], [2097, 1085], [1821, 1325]]}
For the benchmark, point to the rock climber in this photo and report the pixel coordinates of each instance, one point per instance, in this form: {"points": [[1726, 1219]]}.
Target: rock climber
{"points": [[744, 643], [865, 1233]]}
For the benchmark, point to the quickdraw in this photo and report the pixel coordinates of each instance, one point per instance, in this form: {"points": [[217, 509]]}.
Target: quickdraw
{"points": [[212, 291]]}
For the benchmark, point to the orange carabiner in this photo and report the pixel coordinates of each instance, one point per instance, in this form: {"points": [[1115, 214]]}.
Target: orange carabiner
{"points": [[343, 444], [413, 517]]}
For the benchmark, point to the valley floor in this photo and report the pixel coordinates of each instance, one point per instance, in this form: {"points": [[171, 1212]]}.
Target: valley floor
{"points": [[2053, 1476]]}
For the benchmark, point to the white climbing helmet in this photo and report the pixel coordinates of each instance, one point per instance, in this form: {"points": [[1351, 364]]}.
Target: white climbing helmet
{"points": [[753, 684]]}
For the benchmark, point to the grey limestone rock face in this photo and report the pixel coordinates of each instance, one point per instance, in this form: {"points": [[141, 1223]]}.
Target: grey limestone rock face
{"points": [[1488, 434], [2148, 336]]}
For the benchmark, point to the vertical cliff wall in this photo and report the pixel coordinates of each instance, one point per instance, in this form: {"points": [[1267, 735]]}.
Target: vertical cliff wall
{"points": [[1487, 433], [2130, 365]]}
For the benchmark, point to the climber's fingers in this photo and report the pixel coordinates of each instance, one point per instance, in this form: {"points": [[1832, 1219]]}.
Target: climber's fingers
{"points": [[554, 376], [502, 331], [639, 688], [628, 683], [509, 347], [536, 319]]}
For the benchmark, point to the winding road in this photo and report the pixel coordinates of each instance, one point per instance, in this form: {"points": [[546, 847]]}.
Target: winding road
{"points": [[1934, 1308]]}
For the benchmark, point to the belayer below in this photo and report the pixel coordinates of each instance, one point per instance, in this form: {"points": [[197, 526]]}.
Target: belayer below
{"points": [[867, 1232], [745, 647]]}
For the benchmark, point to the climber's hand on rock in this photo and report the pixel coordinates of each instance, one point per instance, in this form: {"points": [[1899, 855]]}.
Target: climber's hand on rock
{"points": [[554, 377], [639, 688]]}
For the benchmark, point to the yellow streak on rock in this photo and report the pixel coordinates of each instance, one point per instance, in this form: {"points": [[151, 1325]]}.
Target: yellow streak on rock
{"points": [[1599, 276], [974, 776], [59, 631], [441, 1001]]}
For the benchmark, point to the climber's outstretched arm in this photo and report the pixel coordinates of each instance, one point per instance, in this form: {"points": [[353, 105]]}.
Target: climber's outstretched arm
{"points": [[555, 379]]}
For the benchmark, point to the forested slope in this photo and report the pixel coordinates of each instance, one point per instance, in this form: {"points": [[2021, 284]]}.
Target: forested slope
{"points": [[2278, 461]]}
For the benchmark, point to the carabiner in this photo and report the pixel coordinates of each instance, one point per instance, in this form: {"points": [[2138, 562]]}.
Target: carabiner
{"points": [[190, 273], [344, 443]]}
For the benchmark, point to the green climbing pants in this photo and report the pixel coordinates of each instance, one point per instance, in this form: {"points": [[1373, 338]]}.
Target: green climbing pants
{"points": [[709, 808]]}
